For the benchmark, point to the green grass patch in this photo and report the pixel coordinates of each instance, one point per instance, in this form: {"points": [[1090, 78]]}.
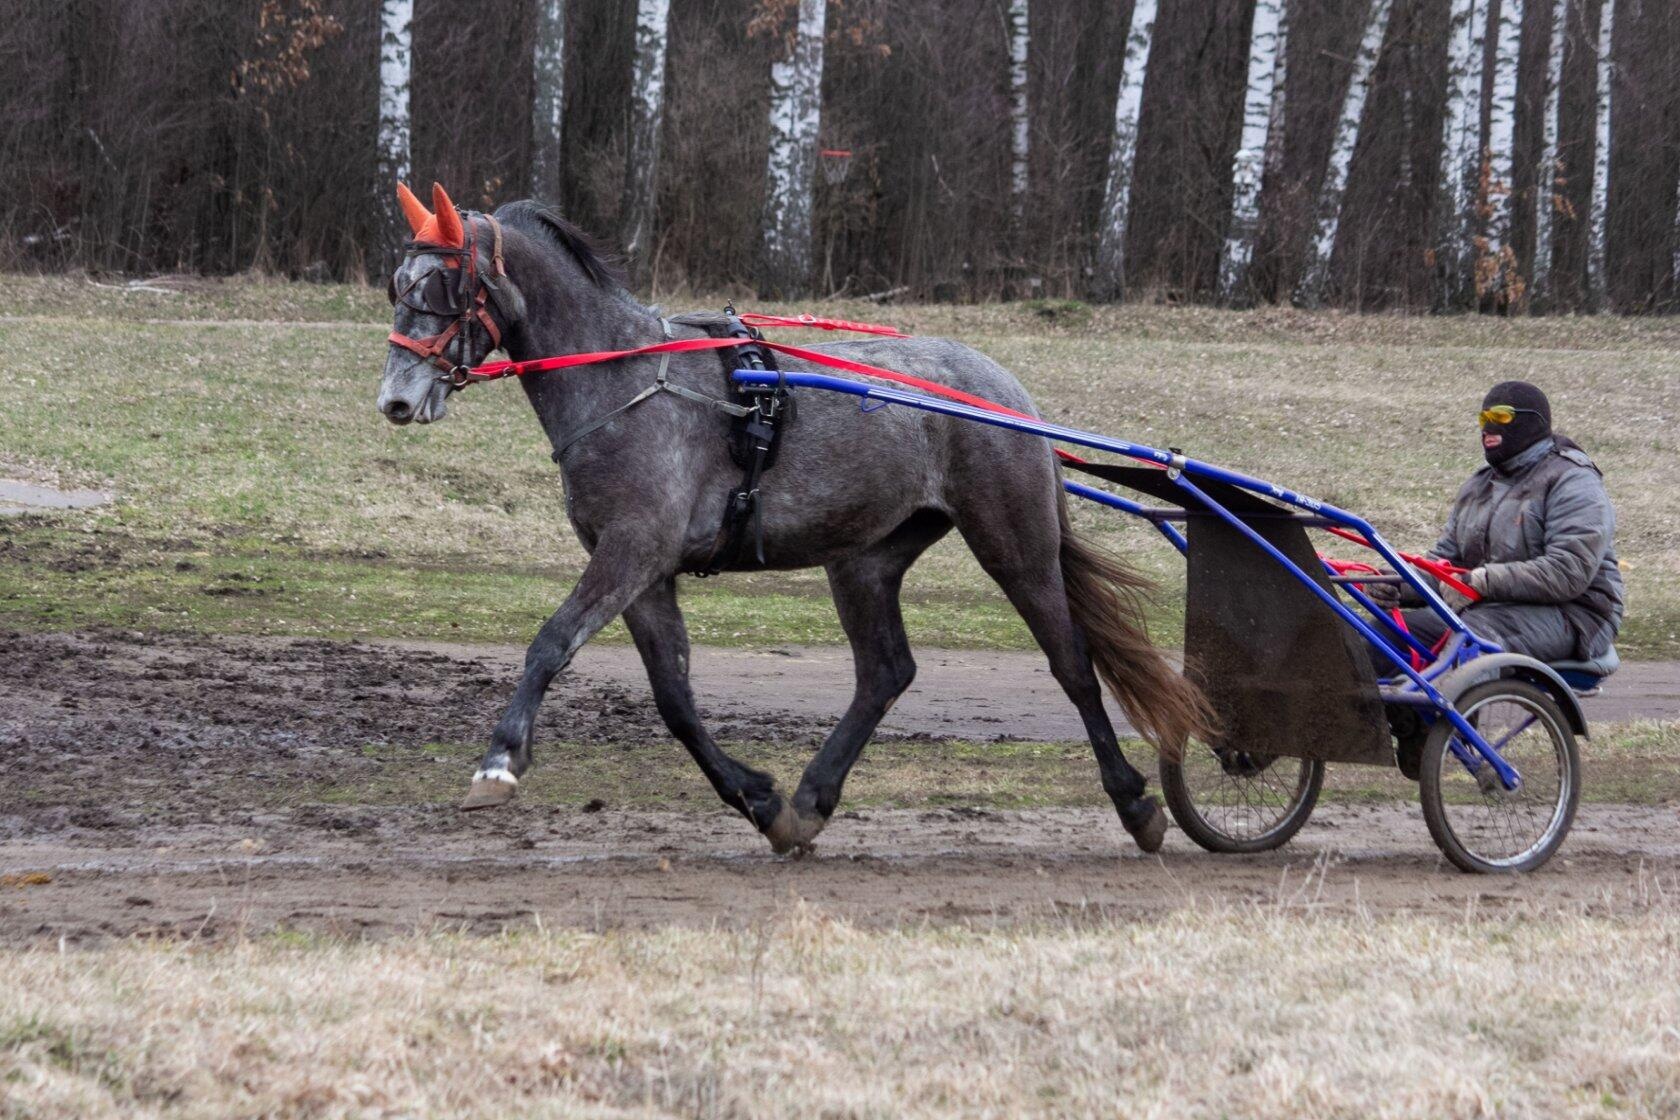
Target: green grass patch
{"points": [[234, 421]]}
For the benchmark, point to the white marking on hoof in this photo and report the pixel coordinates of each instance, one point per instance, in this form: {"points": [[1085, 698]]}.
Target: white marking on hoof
{"points": [[491, 788]]}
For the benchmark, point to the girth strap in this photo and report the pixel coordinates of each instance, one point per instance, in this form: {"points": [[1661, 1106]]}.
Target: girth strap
{"points": [[753, 445]]}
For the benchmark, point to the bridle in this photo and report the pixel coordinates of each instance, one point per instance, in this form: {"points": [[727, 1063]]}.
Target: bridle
{"points": [[435, 294]]}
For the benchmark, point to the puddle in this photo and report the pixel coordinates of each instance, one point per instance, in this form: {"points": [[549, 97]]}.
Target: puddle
{"points": [[27, 497]]}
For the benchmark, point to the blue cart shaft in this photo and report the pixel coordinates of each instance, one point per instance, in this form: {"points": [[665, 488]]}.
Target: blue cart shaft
{"points": [[1463, 645]]}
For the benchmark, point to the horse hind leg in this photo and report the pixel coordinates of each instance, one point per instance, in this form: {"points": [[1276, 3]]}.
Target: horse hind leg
{"points": [[866, 589], [1027, 565], [656, 623]]}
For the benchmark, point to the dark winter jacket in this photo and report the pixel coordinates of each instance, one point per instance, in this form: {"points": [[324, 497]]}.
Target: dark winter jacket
{"points": [[1542, 526]]}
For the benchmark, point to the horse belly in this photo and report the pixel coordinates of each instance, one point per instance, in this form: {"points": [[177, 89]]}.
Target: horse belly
{"points": [[844, 480]]}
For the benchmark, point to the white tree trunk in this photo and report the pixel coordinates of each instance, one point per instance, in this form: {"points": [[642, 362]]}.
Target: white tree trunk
{"points": [[1346, 137], [548, 61], [1596, 282], [1117, 192], [1020, 132], [1261, 146], [1499, 149], [647, 106], [396, 27], [1545, 180], [790, 177], [1461, 164]]}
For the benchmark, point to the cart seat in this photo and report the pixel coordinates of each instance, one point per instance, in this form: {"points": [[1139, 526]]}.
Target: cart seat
{"points": [[1585, 676]]}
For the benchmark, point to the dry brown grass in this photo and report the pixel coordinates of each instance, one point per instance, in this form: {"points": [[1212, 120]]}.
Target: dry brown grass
{"points": [[1268, 1011]]}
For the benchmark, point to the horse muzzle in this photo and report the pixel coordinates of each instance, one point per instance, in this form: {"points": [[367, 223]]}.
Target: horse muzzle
{"points": [[423, 402]]}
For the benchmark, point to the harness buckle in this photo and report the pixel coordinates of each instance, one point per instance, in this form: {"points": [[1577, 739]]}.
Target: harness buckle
{"points": [[458, 377]]}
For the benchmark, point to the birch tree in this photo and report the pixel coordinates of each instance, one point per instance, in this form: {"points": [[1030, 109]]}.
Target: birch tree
{"points": [[1461, 164], [1546, 177], [1498, 149], [647, 105], [1310, 291], [1117, 191], [1261, 146], [396, 27], [790, 177], [548, 61], [1596, 278], [1020, 135]]}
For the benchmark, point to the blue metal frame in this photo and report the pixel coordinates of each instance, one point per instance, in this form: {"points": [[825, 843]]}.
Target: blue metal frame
{"points": [[1410, 686]]}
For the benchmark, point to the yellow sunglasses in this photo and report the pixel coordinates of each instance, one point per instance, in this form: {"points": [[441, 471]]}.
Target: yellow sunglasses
{"points": [[1502, 414]]}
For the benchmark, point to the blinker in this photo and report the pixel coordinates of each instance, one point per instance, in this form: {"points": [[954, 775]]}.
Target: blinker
{"points": [[436, 293]]}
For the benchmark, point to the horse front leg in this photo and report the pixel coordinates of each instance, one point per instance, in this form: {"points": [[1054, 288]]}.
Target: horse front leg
{"points": [[613, 578]]}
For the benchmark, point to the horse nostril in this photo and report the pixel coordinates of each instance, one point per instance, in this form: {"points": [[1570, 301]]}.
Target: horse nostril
{"points": [[397, 409]]}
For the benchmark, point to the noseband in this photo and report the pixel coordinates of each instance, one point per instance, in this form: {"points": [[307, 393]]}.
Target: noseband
{"points": [[428, 295]]}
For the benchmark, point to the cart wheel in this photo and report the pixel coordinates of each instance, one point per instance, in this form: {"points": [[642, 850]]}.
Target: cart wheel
{"points": [[1480, 825], [1234, 802]]}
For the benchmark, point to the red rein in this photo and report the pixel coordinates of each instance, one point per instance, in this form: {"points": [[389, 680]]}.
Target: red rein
{"points": [[492, 371]]}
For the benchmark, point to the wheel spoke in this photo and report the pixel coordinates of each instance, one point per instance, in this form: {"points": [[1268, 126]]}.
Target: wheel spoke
{"points": [[1507, 827], [1242, 804]]}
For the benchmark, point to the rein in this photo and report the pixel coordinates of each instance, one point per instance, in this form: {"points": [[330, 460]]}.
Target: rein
{"points": [[461, 376]]}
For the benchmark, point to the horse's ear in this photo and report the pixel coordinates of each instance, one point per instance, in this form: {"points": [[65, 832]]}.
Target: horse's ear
{"points": [[413, 209], [448, 219]]}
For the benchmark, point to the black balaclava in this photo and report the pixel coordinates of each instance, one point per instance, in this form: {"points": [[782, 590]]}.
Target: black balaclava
{"points": [[1522, 433]]}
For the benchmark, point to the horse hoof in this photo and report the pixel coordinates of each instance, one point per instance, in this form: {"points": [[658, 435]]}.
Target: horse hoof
{"points": [[487, 792], [792, 832], [1152, 833]]}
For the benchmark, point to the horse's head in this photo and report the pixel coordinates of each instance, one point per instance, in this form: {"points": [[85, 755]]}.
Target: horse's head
{"points": [[452, 304]]}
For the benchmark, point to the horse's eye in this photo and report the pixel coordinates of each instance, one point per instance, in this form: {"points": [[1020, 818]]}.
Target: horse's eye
{"points": [[391, 290]]}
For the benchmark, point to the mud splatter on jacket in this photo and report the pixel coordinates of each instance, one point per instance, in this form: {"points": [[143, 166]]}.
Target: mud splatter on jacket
{"points": [[1543, 527]]}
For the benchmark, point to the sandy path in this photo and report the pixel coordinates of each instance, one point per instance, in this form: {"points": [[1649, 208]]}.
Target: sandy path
{"points": [[129, 805], [622, 869]]}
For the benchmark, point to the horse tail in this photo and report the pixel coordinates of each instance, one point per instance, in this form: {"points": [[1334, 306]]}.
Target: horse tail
{"points": [[1105, 598]]}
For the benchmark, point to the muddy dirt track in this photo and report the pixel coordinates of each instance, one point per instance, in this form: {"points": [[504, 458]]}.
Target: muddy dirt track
{"points": [[146, 779]]}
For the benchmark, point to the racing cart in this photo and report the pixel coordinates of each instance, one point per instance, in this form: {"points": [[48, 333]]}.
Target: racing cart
{"points": [[1304, 669]]}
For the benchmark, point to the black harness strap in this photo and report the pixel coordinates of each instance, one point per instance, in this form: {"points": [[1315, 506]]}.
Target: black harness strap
{"points": [[754, 439]]}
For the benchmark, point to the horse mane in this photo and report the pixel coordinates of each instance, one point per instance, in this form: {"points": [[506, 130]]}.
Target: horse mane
{"points": [[530, 216]]}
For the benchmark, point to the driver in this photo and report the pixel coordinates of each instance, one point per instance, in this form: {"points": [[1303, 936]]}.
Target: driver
{"points": [[1535, 528]]}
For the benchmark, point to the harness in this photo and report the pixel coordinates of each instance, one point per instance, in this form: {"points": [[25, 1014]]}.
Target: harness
{"points": [[755, 435], [755, 438]]}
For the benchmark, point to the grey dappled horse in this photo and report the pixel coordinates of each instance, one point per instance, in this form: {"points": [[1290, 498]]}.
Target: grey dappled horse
{"points": [[860, 494]]}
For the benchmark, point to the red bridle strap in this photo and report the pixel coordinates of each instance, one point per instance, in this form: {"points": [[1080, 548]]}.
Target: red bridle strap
{"points": [[432, 349]]}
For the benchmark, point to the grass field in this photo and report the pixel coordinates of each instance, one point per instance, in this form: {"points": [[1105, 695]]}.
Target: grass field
{"points": [[1265, 1011], [259, 492]]}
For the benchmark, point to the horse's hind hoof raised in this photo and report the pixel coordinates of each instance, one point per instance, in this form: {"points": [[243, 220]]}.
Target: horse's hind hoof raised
{"points": [[792, 832], [487, 792], [1151, 832]]}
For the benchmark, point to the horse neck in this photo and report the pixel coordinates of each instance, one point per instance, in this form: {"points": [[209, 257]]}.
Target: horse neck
{"points": [[567, 313]]}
